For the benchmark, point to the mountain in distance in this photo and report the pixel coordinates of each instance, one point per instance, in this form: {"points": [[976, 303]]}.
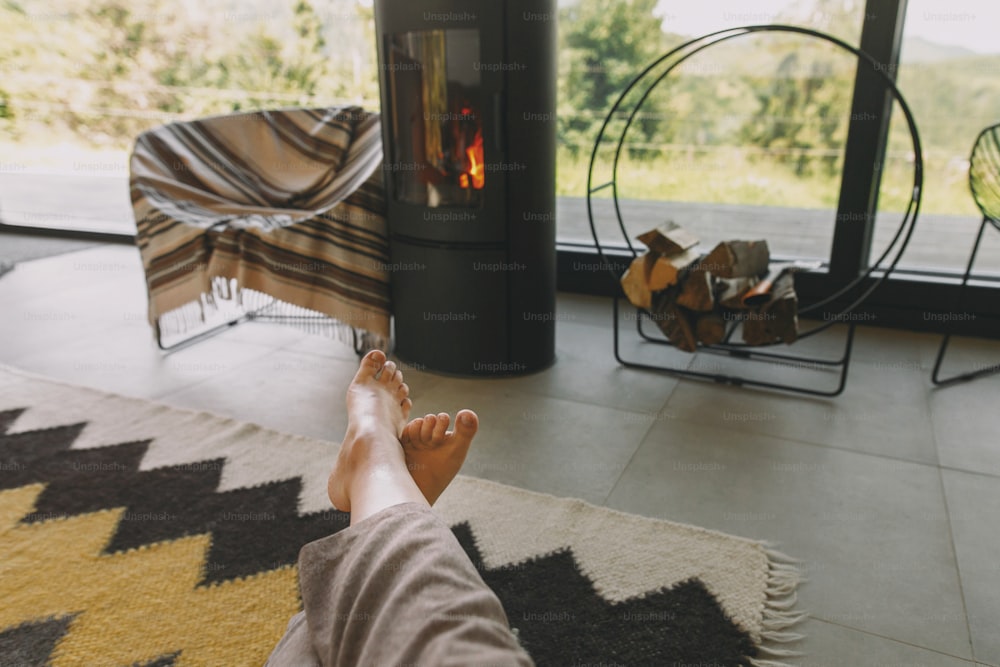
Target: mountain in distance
{"points": [[742, 56], [922, 50]]}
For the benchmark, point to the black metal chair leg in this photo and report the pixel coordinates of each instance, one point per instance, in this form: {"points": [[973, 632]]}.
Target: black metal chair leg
{"points": [[935, 375], [197, 337]]}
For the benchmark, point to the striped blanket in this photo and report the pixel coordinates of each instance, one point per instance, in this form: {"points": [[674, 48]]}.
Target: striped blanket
{"points": [[276, 212]]}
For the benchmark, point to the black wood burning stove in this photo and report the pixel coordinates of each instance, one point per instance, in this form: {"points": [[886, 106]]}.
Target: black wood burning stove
{"points": [[468, 117]]}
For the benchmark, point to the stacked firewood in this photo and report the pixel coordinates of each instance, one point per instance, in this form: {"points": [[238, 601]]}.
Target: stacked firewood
{"points": [[695, 297]]}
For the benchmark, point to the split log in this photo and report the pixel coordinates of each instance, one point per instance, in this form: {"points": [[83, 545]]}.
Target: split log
{"points": [[760, 294], [785, 307], [710, 328], [635, 282], [738, 259], [690, 295], [696, 292], [778, 319], [669, 239], [667, 271], [730, 292], [756, 330], [674, 322]]}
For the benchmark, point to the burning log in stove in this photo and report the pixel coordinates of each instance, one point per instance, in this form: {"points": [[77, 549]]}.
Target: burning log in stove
{"points": [[695, 297]]}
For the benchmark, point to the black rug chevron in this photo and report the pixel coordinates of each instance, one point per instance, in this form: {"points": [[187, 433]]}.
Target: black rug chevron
{"points": [[136, 534]]}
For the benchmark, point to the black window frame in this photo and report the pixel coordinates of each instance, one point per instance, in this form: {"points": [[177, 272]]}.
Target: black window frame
{"points": [[910, 299]]}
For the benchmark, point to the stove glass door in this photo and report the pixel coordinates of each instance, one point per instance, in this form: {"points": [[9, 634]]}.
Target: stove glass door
{"points": [[435, 88]]}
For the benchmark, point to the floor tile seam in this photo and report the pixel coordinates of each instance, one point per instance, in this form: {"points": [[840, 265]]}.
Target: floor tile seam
{"points": [[76, 340], [64, 258], [628, 463], [951, 534], [223, 331], [809, 443], [582, 322], [896, 640], [845, 449], [604, 327], [163, 396], [858, 357], [930, 417], [285, 347], [39, 302], [677, 383], [527, 392], [160, 397], [644, 434], [958, 563], [98, 245], [639, 446], [966, 471]]}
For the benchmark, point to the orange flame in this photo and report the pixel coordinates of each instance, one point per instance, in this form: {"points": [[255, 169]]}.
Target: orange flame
{"points": [[477, 168]]}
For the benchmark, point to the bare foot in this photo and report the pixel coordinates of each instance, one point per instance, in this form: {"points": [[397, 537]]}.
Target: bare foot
{"points": [[434, 454], [378, 405]]}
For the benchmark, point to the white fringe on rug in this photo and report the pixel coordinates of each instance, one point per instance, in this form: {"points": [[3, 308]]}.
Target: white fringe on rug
{"points": [[627, 556], [783, 580]]}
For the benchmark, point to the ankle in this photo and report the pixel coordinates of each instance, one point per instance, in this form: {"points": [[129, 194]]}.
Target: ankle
{"points": [[372, 445], [366, 435]]}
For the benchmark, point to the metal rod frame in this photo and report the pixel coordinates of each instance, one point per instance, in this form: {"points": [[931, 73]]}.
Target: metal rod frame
{"points": [[982, 372], [256, 315], [744, 351]]}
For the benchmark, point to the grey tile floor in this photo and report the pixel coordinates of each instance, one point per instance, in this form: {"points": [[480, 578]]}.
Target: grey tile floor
{"points": [[889, 494]]}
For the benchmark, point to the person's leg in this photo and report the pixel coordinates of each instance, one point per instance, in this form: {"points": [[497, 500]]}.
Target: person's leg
{"points": [[367, 476], [370, 474], [434, 454], [396, 586]]}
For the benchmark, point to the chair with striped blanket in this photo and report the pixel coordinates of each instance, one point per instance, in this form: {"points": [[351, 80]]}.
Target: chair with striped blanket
{"points": [[264, 215]]}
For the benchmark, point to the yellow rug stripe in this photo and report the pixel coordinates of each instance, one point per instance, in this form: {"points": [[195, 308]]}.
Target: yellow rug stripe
{"points": [[138, 605]]}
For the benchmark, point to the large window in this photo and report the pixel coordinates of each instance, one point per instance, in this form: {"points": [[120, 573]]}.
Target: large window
{"points": [[949, 72], [80, 79], [743, 139], [757, 137], [781, 166]]}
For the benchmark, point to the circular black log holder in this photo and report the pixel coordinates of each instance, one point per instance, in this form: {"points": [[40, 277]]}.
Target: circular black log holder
{"points": [[855, 292]]}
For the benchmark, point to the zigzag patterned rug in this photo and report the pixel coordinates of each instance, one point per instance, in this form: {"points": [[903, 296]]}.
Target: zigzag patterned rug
{"points": [[136, 534]]}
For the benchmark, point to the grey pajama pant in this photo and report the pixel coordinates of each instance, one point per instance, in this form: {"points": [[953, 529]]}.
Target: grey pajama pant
{"points": [[395, 590]]}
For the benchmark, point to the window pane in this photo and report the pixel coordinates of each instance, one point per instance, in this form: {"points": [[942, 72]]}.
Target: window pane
{"points": [[742, 140], [950, 75], [80, 79]]}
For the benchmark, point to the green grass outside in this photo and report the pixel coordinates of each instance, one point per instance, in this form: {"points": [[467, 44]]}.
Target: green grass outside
{"points": [[733, 177]]}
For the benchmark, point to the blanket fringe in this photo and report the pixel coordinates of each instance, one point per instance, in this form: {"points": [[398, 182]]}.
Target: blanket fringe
{"points": [[768, 663], [227, 301], [777, 616]]}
